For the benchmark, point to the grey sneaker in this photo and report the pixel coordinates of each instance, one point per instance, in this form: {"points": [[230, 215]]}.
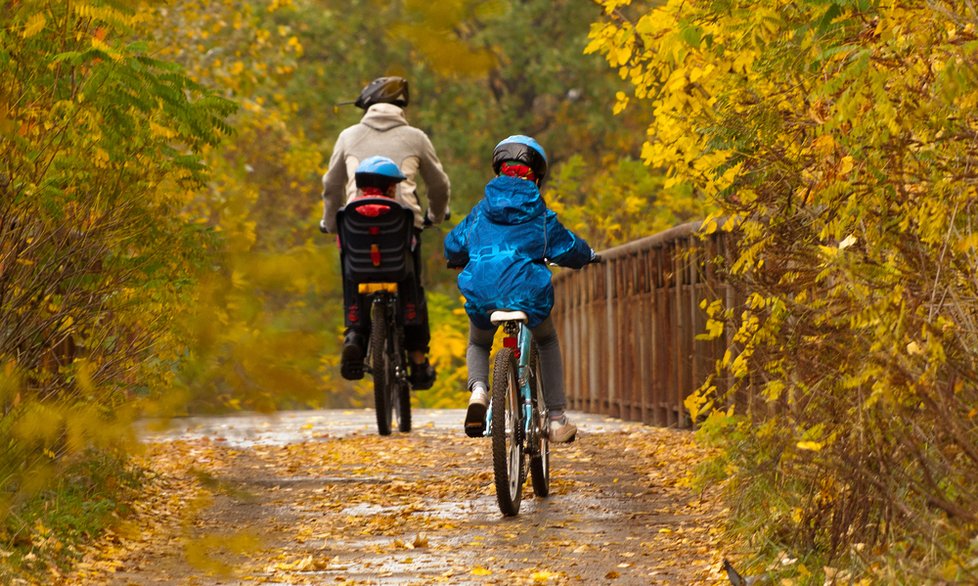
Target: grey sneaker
{"points": [[475, 415], [562, 430]]}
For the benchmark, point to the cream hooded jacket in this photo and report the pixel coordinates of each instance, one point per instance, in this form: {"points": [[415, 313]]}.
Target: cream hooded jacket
{"points": [[384, 131]]}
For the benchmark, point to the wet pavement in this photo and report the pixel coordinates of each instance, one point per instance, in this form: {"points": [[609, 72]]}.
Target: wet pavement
{"points": [[317, 497], [247, 430]]}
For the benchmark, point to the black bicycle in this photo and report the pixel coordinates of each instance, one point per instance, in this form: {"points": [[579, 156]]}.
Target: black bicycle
{"points": [[375, 239], [386, 359]]}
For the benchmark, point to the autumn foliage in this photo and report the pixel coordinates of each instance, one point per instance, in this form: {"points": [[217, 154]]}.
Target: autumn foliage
{"points": [[100, 146], [840, 135]]}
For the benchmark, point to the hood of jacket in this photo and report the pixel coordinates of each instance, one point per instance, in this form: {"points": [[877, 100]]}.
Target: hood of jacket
{"points": [[383, 117], [511, 200]]}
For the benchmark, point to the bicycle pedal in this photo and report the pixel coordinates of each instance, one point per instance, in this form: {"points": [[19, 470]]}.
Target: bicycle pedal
{"points": [[475, 430]]}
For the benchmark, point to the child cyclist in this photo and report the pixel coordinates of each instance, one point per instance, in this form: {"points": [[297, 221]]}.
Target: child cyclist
{"points": [[504, 245]]}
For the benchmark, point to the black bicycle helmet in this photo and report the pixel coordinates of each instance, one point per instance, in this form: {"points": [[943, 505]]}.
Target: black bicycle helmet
{"points": [[523, 149], [388, 90]]}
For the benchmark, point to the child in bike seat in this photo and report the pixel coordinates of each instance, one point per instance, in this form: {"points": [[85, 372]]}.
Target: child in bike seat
{"points": [[379, 177], [504, 245]]}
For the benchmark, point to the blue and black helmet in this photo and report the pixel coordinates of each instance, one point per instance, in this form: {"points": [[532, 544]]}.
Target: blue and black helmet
{"points": [[377, 171], [523, 149]]}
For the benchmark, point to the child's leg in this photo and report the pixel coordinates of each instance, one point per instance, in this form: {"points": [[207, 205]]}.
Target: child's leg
{"points": [[477, 354], [551, 365], [477, 359], [552, 372]]}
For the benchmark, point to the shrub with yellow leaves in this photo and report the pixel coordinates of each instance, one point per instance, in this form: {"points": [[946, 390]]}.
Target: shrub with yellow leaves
{"points": [[840, 134]]}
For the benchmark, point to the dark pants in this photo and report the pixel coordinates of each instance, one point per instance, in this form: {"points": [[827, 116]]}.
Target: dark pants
{"points": [[417, 334]]}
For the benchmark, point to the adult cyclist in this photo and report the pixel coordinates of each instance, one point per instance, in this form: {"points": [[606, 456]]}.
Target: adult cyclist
{"points": [[383, 130]]}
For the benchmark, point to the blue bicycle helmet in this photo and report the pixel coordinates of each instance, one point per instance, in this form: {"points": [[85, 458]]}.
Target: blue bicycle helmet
{"points": [[377, 171], [523, 149]]}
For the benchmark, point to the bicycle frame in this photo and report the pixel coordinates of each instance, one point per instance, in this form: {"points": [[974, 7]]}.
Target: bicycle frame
{"points": [[380, 293], [520, 339], [386, 359]]}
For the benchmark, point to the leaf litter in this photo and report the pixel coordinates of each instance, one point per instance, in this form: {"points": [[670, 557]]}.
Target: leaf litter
{"points": [[416, 509]]}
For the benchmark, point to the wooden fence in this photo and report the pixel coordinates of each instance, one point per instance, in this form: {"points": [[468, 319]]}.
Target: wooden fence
{"points": [[628, 326]]}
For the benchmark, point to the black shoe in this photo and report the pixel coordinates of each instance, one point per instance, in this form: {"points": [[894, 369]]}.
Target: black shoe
{"points": [[422, 375], [351, 361]]}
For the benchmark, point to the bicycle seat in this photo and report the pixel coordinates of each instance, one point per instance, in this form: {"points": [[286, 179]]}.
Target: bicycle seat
{"points": [[499, 316]]}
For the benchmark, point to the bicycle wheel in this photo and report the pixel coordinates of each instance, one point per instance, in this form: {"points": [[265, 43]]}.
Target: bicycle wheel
{"points": [[380, 365], [402, 401], [508, 461], [540, 457]]}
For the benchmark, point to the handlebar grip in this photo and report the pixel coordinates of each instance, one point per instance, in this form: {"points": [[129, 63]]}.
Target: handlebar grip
{"points": [[597, 259]]}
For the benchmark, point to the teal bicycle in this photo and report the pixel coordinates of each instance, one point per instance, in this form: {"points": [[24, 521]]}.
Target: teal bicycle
{"points": [[517, 416]]}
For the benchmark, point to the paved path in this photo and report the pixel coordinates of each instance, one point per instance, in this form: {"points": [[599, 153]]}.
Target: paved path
{"points": [[316, 497]]}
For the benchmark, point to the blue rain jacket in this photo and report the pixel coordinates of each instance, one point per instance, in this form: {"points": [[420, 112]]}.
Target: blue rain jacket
{"points": [[503, 244]]}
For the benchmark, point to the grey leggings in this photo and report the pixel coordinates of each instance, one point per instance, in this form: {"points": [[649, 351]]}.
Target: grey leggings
{"points": [[551, 366]]}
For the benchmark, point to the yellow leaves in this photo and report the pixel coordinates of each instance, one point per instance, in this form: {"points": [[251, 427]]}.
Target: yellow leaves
{"points": [[100, 158], [308, 563], [103, 13], [612, 5], [34, 25], [621, 102], [10, 383], [104, 47], [207, 553], [280, 4], [824, 145], [543, 576], [38, 422], [481, 571], [294, 45], [846, 165], [698, 404], [809, 446]]}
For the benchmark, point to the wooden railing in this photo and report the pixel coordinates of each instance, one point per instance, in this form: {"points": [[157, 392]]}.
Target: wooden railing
{"points": [[628, 327]]}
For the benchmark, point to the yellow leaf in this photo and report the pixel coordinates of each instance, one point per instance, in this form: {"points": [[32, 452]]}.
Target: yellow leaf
{"points": [[34, 25], [480, 571], [542, 576], [809, 445]]}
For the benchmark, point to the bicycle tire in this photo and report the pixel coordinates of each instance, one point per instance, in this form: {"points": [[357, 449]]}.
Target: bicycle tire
{"points": [[540, 459], [508, 460], [380, 360], [404, 407]]}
